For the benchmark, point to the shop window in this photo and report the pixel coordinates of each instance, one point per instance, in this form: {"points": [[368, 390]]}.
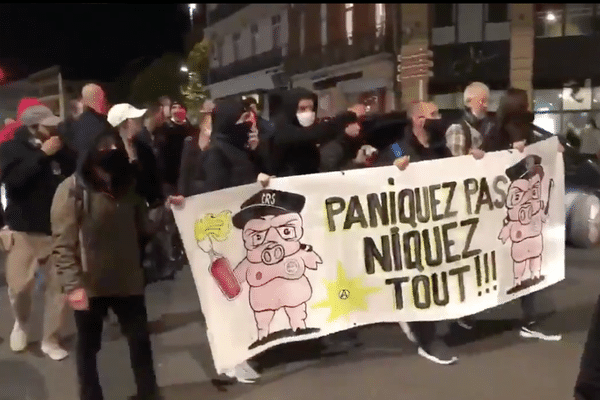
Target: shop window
{"points": [[548, 121], [443, 15], [497, 12], [579, 18], [596, 98], [276, 28], [549, 20], [547, 100]]}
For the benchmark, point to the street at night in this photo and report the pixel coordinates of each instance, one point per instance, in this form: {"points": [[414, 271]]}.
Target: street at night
{"points": [[497, 366]]}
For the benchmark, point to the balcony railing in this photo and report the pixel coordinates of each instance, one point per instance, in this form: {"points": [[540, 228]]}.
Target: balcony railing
{"points": [[338, 52], [269, 59], [223, 11]]}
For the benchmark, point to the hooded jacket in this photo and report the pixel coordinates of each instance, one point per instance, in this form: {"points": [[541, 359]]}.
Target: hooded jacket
{"points": [[31, 178], [227, 162], [8, 132], [169, 140], [96, 235], [84, 130], [294, 149]]}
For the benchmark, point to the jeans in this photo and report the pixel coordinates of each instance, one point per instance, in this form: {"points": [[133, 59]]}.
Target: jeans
{"points": [[131, 313]]}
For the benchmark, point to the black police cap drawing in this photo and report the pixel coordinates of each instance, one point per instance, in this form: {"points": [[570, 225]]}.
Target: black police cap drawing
{"points": [[268, 202], [526, 168]]}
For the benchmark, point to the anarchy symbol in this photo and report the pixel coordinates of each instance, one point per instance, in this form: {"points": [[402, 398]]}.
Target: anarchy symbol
{"points": [[344, 294]]}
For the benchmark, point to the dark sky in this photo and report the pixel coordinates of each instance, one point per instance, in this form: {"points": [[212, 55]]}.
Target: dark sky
{"points": [[89, 41]]}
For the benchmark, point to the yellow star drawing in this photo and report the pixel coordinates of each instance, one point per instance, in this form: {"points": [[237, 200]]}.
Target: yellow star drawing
{"points": [[344, 296]]}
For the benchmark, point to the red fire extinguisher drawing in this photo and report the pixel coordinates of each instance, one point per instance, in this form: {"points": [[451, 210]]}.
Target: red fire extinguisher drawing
{"points": [[220, 270]]}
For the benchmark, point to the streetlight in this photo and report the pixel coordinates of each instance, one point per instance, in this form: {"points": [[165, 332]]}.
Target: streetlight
{"points": [[184, 68], [550, 17], [192, 9]]}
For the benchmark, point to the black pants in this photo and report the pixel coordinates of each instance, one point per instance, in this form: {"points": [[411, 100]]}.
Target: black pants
{"points": [[425, 332], [131, 312], [528, 307], [587, 386]]}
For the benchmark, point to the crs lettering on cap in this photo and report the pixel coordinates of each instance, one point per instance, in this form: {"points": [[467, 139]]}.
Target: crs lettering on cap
{"points": [[397, 150]]}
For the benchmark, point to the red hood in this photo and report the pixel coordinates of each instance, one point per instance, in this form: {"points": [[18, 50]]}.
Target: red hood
{"points": [[25, 104]]}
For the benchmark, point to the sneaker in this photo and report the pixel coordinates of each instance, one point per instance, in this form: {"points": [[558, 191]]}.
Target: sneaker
{"points": [[18, 338], [54, 351], [409, 334], [244, 373], [437, 353], [466, 323], [532, 332]]}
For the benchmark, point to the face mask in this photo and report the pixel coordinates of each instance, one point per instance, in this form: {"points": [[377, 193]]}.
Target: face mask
{"points": [[180, 115], [306, 118], [239, 133], [435, 128]]}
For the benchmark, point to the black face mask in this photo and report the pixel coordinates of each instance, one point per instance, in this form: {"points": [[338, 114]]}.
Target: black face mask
{"points": [[435, 128], [116, 164], [238, 134]]}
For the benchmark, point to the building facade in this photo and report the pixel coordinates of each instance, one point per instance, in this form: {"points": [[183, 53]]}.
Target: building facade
{"points": [[249, 43], [345, 53]]}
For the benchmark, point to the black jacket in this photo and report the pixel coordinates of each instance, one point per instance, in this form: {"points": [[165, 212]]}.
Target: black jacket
{"points": [[514, 128], [338, 154], [410, 146], [192, 174], [227, 162], [31, 178], [169, 139], [294, 148], [84, 129], [147, 174]]}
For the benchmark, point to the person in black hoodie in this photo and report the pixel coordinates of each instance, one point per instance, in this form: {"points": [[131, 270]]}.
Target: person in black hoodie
{"points": [[422, 140], [169, 140], [32, 166], [294, 146]]}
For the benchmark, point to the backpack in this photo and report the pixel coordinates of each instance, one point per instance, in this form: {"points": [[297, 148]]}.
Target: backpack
{"points": [[156, 260]]}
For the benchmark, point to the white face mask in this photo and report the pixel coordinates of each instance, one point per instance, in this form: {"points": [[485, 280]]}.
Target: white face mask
{"points": [[306, 118]]}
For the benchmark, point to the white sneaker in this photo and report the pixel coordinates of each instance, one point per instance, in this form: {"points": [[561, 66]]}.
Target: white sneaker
{"points": [[244, 373], [54, 351], [529, 333], [18, 338]]}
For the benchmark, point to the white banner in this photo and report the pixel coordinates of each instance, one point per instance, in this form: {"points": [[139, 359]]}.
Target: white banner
{"points": [[316, 254]]}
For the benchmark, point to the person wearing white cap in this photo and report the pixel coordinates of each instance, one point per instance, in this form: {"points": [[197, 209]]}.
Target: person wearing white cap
{"points": [[32, 165]]}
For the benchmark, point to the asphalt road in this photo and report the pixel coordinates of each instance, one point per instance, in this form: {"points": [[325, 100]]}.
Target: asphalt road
{"points": [[496, 365]]}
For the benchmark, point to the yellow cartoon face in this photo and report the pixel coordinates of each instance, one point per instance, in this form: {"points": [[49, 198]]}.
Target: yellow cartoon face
{"points": [[216, 227]]}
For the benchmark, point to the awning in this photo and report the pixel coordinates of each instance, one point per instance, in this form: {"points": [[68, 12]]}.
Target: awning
{"points": [[364, 85], [242, 84]]}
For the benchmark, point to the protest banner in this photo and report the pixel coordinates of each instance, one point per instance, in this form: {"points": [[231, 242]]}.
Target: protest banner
{"points": [[312, 255]]}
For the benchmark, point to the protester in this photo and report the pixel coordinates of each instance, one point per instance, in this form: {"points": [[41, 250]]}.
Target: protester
{"points": [[32, 165], [153, 119], [466, 137], [97, 221], [93, 119], [422, 140], [347, 152], [192, 173], [8, 132], [590, 139], [169, 143], [514, 130], [294, 149], [166, 102]]}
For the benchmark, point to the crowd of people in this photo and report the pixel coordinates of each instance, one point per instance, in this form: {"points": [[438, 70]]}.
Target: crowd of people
{"points": [[86, 196]]}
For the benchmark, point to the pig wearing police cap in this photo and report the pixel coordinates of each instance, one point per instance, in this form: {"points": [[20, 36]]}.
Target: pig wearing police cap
{"points": [[276, 261], [526, 215]]}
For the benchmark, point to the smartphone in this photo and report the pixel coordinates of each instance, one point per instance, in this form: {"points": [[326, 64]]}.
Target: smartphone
{"points": [[397, 150]]}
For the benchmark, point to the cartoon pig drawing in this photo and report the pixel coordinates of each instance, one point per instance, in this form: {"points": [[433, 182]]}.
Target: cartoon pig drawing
{"points": [[276, 261], [526, 215]]}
